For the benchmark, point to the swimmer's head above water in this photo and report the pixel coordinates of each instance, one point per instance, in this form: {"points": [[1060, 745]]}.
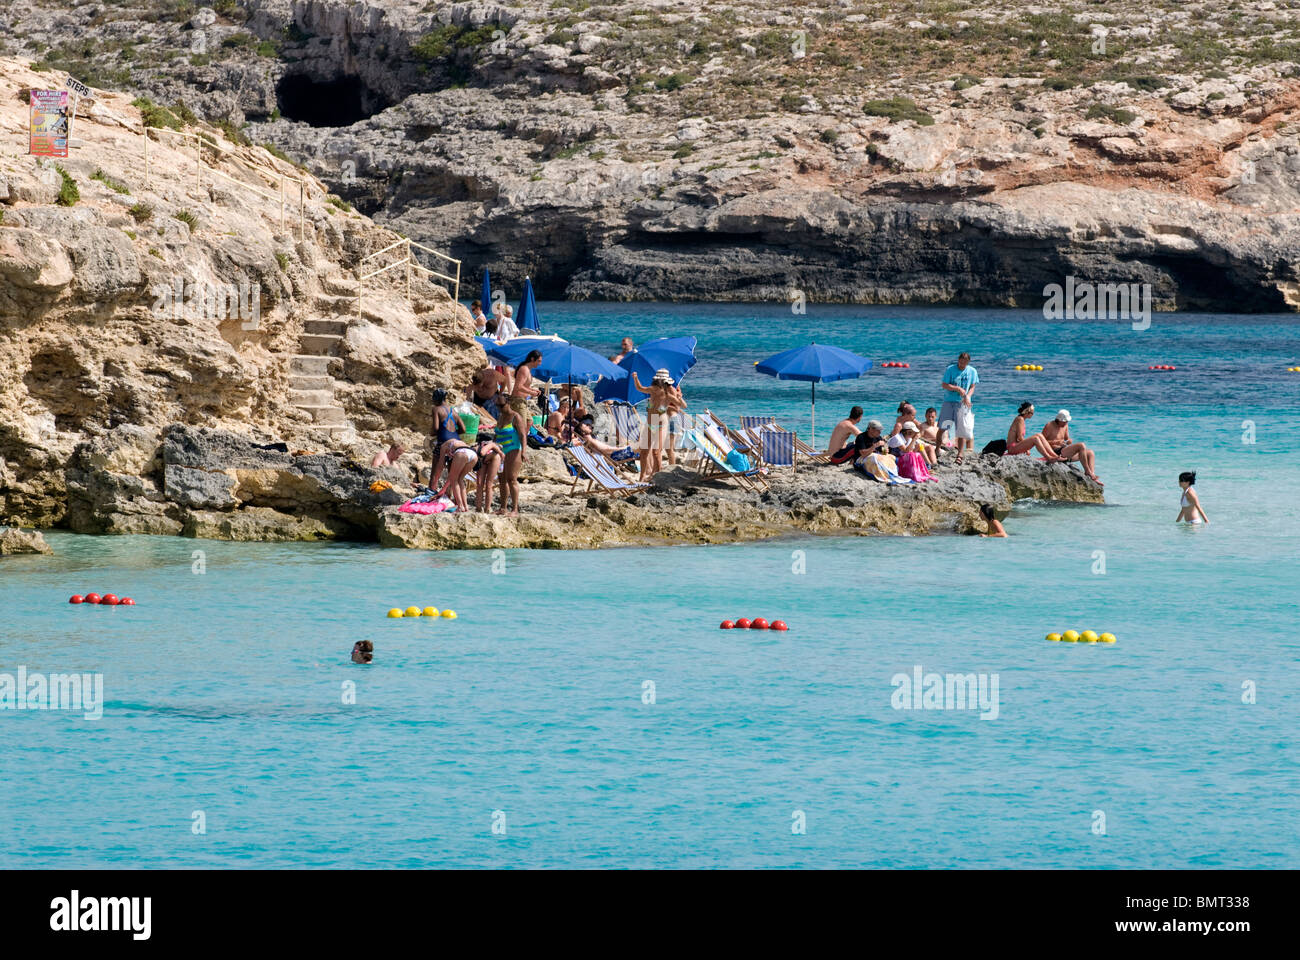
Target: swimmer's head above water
{"points": [[363, 651]]}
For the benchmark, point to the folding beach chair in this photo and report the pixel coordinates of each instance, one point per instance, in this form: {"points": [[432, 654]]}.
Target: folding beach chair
{"points": [[627, 424], [713, 462], [600, 472], [744, 440], [777, 448]]}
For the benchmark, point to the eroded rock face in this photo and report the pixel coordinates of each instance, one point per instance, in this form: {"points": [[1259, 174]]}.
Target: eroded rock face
{"points": [[180, 298]]}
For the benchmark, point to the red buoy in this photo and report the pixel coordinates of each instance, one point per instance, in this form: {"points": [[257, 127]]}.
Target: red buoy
{"points": [[759, 624], [92, 598], [725, 625], [779, 625], [110, 600], [128, 602], [742, 624], [76, 598]]}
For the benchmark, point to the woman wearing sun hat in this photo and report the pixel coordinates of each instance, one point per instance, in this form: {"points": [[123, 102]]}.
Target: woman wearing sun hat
{"points": [[659, 409]]}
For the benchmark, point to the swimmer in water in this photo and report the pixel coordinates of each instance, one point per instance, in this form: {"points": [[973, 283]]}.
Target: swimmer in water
{"points": [[995, 526], [363, 651], [1190, 506]]}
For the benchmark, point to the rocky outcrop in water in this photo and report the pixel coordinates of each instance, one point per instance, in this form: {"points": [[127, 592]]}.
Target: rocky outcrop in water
{"points": [[847, 151], [212, 484], [14, 541]]}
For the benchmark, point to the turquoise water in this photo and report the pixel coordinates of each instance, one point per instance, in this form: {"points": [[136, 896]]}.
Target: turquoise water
{"points": [[224, 689]]}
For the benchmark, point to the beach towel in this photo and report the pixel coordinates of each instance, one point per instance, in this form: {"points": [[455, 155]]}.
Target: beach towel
{"points": [[882, 467], [912, 466], [994, 448], [428, 503]]}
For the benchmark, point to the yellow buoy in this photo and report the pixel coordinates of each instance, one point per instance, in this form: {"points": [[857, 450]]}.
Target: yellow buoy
{"points": [[430, 611], [1107, 638], [1070, 636], [394, 612], [449, 614], [1089, 636], [412, 611], [1039, 367], [1054, 637]]}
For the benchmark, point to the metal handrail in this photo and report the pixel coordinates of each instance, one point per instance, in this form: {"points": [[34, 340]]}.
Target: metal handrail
{"points": [[408, 260]]}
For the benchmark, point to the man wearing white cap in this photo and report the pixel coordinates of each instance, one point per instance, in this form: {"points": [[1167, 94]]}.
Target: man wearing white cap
{"points": [[1057, 435]]}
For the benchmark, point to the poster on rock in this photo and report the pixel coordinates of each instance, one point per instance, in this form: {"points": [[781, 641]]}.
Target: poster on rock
{"points": [[49, 123]]}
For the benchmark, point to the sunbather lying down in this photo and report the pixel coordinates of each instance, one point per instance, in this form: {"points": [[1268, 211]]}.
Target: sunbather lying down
{"points": [[604, 449]]}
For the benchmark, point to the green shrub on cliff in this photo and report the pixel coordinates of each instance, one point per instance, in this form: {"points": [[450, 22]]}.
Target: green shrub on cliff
{"points": [[1101, 111], [897, 108], [445, 41], [68, 192], [155, 115]]}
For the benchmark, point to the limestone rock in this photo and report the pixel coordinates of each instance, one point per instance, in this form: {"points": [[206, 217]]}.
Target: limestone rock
{"points": [[15, 541]]}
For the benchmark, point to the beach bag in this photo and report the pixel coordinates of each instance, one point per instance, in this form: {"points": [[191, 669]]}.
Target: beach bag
{"points": [[737, 461]]}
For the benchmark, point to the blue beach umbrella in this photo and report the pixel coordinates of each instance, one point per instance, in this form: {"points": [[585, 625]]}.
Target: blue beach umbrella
{"points": [[674, 354], [815, 363], [485, 297], [561, 360], [528, 309]]}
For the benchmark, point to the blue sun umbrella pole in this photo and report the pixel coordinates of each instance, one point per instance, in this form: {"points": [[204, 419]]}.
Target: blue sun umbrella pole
{"points": [[815, 363], [528, 309]]}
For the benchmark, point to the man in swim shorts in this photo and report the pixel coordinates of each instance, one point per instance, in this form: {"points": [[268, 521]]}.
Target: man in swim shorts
{"points": [[955, 413]]}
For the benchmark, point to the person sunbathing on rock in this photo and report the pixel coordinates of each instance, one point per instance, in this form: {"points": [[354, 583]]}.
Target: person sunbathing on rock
{"points": [[589, 441], [1057, 434], [1018, 442], [389, 457]]}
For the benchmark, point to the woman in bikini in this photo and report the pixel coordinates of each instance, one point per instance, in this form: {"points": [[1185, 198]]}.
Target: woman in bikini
{"points": [[461, 459], [1189, 510], [1018, 442], [446, 427], [490, 456], [658, 409], [510, 442], [520, 413]]}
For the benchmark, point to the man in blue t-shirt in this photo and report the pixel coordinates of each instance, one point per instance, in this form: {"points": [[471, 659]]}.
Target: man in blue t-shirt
{"points": [[955, 413]]}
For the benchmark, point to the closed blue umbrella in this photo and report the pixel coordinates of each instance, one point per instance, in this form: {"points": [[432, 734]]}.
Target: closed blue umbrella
{"points": [[815, 363], [528, 309], [674, 354], [486, 296]]}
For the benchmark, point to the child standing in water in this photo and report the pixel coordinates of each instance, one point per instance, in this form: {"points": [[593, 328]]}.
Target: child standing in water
{"points": [[1190, 506]]}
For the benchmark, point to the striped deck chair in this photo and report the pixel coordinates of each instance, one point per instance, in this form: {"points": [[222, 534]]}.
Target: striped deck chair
{"points": [[777, 448], [627, 424], [713, 462], [600, 472], [803, 448], [746, 441]]}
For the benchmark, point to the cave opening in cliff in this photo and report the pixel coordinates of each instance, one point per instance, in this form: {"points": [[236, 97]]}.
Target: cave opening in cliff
{"points": [[327, 103]]}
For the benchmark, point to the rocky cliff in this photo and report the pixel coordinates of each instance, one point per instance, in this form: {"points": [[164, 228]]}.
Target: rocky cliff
{"points": [[968, 151], [182, 294]]}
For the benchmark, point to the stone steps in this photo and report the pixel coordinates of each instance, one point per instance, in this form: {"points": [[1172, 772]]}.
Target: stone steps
{"points": [[320, 344], [303, 365], [333, 328], [302, 399], [309, 382], [327, 415]]}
